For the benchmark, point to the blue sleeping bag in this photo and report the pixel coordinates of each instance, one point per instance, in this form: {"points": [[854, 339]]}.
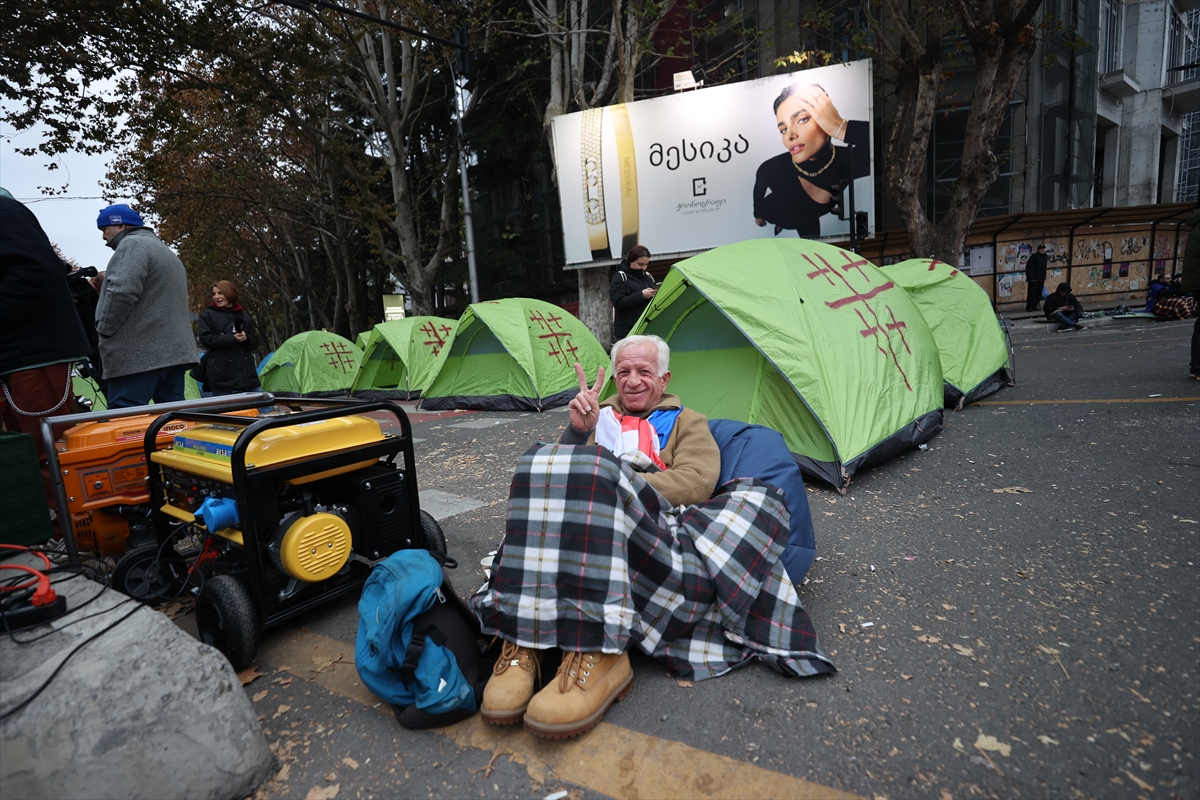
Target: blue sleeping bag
{"points": [[755, 451]]}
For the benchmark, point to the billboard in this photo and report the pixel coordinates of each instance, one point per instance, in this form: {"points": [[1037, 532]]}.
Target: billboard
{"points": [[704, 168]]}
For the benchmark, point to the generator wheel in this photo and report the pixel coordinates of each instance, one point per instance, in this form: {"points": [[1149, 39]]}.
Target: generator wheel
{"points": [[226, 620], [144, 575], [435, 540]]}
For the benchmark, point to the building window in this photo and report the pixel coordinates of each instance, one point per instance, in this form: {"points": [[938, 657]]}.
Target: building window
{"points": [[1188, 188], [1181, 46], [1112, 14], [1191, 48]]}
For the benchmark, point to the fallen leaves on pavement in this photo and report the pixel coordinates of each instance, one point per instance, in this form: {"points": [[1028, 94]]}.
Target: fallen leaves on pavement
{"points": [[250, 675]]}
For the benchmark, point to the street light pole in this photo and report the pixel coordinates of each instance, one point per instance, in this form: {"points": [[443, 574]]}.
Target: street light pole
{"points": [[468, 226]]}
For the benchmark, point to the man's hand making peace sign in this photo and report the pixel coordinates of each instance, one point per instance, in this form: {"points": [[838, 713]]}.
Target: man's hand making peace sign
{"points": [[584, 408]]}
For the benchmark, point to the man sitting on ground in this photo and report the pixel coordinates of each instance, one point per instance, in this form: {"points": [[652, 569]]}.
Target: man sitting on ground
{"points": [[622, 544], [1064, 308]]}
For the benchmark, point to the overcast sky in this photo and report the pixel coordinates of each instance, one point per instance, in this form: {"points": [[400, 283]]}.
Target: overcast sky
{"points": [[70, 220]]}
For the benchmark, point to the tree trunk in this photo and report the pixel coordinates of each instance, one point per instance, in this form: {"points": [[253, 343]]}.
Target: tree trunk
{"points": [[595, 310], [1002, 41]]}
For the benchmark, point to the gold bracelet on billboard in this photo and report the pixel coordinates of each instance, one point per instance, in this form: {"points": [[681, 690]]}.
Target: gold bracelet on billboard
{"points": [[590, 152], [627, 172]]}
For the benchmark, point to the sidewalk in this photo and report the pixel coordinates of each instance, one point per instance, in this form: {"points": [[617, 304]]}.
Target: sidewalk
{"points": [[1035, 321]]}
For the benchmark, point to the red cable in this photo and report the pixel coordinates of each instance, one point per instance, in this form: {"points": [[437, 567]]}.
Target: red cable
{"points": [[38, 553], [44, 594]]}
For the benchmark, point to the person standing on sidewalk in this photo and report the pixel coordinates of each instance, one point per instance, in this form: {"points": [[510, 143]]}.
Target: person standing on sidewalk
{"points": [[1065, 308], [227, 333], [1035, 278], [631, 290], [146, 340]]}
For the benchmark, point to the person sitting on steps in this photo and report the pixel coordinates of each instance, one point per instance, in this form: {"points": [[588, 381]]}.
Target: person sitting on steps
{"points": [[1064, 308]]}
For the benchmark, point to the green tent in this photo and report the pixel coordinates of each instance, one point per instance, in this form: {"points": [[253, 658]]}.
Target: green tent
{"points": [[974, 349], [363, 338], [313, 363], [402, 356], [805, 338], [515, 354]]}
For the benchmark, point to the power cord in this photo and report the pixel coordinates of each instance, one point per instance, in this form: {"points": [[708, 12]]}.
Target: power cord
{"points": [[63, 663]]}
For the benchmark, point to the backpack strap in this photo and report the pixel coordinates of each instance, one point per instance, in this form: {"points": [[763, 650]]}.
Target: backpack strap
{"points": [[416, 646]]}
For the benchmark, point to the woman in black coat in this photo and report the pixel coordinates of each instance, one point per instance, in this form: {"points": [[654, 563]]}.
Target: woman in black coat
{"points": [[631, 290], [227, 334]]}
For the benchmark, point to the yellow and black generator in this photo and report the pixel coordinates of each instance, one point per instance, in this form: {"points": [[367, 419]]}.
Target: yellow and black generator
{"points": [[295, 509]]}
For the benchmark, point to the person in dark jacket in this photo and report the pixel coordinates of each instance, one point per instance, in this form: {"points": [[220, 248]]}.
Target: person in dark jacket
{"points": [[794, 189], [227, 334], [1065, 308], [41, 336], [631, 290], [1035, 278]]}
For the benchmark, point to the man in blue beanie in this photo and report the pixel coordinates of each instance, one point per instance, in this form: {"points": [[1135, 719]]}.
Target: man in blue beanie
{"points": [[146, 339]]}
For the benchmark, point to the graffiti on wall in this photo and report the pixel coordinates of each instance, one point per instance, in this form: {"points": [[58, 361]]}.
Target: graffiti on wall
{"points": [[1012, 256]]}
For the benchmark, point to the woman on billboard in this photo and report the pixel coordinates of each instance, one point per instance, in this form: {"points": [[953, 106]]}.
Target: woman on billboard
{"points": [[794, 189]]}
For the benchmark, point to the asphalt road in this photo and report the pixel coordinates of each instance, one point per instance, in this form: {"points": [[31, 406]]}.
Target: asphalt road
{"points": [[1014, 612]]}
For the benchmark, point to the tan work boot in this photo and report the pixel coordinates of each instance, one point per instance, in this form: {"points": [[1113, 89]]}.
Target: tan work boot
{"points": [[575, 702], [511, 686]]}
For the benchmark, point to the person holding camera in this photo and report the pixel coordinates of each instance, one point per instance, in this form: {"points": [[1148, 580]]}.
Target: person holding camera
{"points": [[227, 334]]}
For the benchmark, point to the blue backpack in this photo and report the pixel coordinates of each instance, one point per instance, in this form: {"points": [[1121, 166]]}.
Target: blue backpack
{"points": [[756, 451], [418, 644]]}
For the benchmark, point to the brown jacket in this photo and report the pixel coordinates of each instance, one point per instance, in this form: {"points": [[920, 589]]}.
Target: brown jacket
{"points": [[691, 454]]}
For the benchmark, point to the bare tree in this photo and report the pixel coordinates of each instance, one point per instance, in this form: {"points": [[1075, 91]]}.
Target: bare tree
{"points": [[913, 38]]}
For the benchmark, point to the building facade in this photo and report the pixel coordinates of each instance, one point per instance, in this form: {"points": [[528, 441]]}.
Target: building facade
{"points": [[1107, 113]]}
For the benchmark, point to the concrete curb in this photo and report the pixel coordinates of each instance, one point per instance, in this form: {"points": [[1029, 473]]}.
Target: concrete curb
{"points": [[1036, 323]]}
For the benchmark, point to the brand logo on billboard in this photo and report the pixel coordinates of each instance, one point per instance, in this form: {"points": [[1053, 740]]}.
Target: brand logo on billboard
{"points": [[700, 206], [699, 189], [690, 151]]}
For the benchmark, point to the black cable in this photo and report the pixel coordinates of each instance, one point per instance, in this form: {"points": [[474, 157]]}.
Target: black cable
{"points": [[63, 663]]}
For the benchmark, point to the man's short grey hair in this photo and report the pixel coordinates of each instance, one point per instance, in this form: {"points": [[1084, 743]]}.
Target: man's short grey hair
{"points": [[664, 351]]}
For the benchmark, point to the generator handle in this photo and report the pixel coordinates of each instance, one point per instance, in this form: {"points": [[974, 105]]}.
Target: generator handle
{"points": [[48, 425]]}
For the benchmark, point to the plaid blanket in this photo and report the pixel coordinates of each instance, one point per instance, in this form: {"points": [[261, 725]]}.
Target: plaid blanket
{"points": [[1175, 308], [595, 559]]}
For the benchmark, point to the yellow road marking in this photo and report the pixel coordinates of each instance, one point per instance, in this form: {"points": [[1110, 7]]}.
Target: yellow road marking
{"points": [[609, 759], [1084, 402]]}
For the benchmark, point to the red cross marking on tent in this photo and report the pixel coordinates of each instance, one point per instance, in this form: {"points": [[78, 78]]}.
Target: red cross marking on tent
{"points": [[548, 323], [933, 262], [953, 272], [569, 347], [855, 296], [437, 335], [560, 346], [340, 357], [889, 351], [856, 264], [897, 325]]}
